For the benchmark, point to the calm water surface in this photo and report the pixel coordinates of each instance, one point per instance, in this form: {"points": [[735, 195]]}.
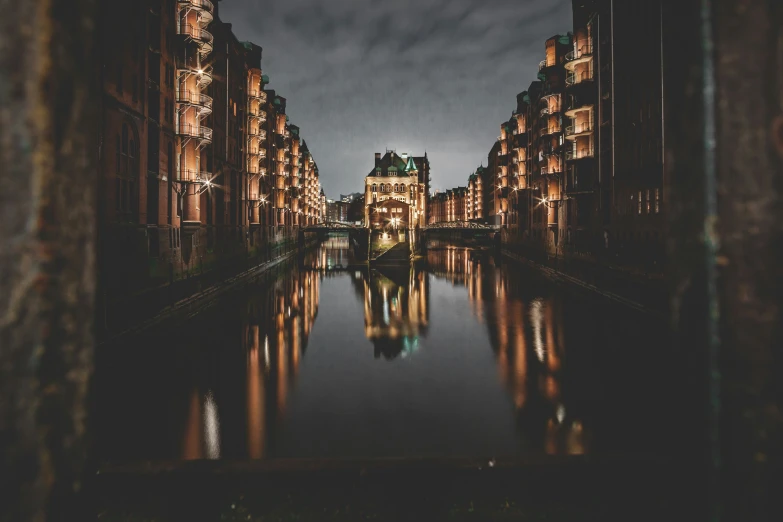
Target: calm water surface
{"points": [[462, 355]]}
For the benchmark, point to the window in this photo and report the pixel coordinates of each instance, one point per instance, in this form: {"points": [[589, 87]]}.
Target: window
{"points": [[639, 203], [657, 201], [647, 202], [170, 181], [126, 171]]}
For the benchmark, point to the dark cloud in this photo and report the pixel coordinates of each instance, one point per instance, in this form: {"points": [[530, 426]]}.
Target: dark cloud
{"points": [[413, 75]]}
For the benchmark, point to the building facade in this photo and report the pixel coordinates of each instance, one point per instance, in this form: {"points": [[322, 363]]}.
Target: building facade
{"points": [[577, 170], [188, 150], [401, 178]]}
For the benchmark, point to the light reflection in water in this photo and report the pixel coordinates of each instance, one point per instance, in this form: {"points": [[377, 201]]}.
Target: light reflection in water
{"points": [[236, 408], [211, 426]]}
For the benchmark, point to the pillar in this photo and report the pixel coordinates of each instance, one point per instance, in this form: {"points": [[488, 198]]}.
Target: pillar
{"points": [[48, 185], [723, 175]]}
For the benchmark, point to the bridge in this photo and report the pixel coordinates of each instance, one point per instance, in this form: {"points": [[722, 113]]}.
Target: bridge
{"points": [[466, 233], [331, 225], [358, 237]]}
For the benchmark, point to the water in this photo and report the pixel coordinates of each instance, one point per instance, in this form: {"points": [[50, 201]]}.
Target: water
{"points": [[463, 355]]}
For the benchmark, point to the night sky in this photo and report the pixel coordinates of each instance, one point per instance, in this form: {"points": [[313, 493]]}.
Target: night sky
{"points": [[361, 76]]}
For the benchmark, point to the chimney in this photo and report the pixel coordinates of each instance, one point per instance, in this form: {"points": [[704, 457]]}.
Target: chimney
{"points": [[377, 159]]}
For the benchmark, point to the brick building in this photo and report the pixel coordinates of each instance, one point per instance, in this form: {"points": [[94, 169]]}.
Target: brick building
{"points": [[577, 170], [399, 177], [189, 142]]}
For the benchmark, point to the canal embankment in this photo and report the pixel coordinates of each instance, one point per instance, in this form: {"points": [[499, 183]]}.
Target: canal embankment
{"points": [[181, 299], [643, 292]]}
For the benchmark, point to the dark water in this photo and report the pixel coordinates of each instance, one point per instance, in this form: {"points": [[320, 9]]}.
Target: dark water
{"points": [[464, 355]]}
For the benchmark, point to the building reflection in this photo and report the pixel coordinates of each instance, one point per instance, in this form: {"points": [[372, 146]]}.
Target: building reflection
{"points": [[526, 332], [396, 309]]}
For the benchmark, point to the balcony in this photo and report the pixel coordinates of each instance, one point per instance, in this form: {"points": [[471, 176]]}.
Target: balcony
{"points": [[579, 55], [255, 112], [201, 36], [204, 7], [579, 129], [575, 79], [550, 110], [577, 107], [586, 152], [195, 99], [552, 129], [543, 64], [198, 132], [203, 76], [192, 176], [256, 133], [257, 94], [550, 170]]}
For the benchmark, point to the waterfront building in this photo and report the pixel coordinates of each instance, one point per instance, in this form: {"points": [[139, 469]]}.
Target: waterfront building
{"points": [[577, 170], [188, 153], [399, 178]]}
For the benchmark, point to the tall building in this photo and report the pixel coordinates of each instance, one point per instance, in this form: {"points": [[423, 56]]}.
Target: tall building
{"points": [[578, 168], [188, 148], [395, 190]]}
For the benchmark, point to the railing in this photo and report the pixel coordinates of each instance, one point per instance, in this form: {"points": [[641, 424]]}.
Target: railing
{"points": [[542, 65], [197, 33], [579, 154], [194, 98], [192, 176], [576, 54], [258, 94], [551, 170], [579, 128], [201, 5], [194, 131], [550, 130], [573, 78], [256, 133]]}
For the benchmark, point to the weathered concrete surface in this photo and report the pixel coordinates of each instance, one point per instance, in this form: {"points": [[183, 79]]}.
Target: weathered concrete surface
{"points": [[47, 262], [723, 63]]}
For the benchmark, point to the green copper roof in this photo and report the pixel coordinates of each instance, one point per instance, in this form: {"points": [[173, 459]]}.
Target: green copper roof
{"points": [[411, 165], [276, 101], [565, 40], [264, 78], [286, 117], [526, 98], [542, 76]]}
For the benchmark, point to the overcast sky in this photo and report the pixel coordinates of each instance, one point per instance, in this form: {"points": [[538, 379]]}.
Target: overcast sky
{"points": [[361, 76]]}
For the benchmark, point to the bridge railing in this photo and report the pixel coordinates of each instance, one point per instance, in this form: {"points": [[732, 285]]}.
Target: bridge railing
{"points": [[458, 224]]}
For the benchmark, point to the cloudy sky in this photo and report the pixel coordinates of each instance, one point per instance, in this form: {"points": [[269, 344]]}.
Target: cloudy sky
{"points": [[361, 76]]}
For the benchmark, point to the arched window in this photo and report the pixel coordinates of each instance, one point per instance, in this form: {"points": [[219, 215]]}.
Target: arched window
{"points": [[374, 187], [126, 174]]}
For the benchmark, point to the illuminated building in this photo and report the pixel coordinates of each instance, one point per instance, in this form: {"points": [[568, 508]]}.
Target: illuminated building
{"points": [[188, 152], [396, 311], [402, 179]]}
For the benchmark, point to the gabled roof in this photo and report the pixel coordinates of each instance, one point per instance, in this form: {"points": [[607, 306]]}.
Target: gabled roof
{"points": [[390, 161], [411, 165]]}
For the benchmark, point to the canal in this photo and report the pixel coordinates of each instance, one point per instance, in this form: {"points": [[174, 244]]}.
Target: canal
{"points": [[465, 354]]}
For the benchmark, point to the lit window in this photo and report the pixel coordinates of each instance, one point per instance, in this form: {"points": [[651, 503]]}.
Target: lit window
{"points": [[640, 202], [657, 201]]}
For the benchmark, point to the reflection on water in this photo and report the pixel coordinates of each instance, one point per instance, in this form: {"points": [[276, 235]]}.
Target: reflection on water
{"points": [[461, 355]]}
